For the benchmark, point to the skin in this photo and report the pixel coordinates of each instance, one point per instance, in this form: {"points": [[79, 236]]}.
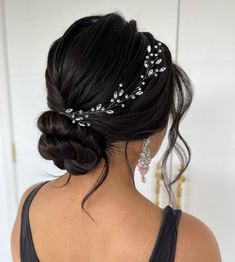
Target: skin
{"points": [[127, 222]]}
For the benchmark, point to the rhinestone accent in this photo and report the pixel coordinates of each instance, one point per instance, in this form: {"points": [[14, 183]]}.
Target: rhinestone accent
{"points": [[162, 69], [158, 61], [110, 111], [150, 72], [121, 92], [98, 107], [79, 118], [81, 124], [146, 64], [115, 94], [69, 110]]}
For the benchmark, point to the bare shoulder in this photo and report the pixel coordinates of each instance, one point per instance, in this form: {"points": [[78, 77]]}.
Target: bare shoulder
{"points": [[196, 241], [15, 234]]}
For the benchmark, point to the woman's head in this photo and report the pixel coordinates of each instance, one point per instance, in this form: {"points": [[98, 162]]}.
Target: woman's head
{"points": [[84, 68]]}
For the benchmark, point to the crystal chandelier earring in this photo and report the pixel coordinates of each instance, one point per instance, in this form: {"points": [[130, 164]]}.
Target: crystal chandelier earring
{"points": [[145, 159]]}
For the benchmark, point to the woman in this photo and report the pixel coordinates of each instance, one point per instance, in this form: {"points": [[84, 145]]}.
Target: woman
{"points": [[111, 91]]}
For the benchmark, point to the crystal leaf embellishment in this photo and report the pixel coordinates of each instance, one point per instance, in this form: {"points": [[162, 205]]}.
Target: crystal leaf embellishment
{"points": [[121, 92], [150, 72], [149, 48], [115, 94], [139, 93], [162, 69], [69, 110], [159, 61], [79, 118], [146, 64], [81, 124], [98, 107], [110, 111]]}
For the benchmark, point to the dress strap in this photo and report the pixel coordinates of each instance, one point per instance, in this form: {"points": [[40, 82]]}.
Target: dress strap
{"points": [[27, 251], [165, 246]]}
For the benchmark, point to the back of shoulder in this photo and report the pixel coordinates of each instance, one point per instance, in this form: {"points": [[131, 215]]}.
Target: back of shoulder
{"points": [[15, 234], [195, 241]]}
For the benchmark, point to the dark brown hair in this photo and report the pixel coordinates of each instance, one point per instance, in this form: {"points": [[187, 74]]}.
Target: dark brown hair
{"points": [[84, 67]]}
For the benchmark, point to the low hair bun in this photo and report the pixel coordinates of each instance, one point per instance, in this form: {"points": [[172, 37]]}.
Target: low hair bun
{"points": [[69, 146]]}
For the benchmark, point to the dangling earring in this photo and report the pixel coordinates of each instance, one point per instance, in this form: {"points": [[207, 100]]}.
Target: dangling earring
{"points": [[145, 159]]}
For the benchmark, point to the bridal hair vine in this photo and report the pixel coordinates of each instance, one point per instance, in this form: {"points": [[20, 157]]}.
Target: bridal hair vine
{"points": [[151, 63]]}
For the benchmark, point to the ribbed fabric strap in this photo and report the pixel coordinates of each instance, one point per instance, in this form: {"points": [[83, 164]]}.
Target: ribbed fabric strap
{"points": [[164, 249], [27, 251]]}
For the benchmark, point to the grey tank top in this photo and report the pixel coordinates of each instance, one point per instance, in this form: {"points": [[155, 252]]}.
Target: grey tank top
{"points": [[164, 248]]}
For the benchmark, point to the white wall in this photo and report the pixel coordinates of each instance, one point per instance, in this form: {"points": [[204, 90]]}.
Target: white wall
{"points": [[206, 51], [8, 185]]}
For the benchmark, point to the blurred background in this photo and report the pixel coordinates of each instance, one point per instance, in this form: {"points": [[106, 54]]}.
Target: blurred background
{"points": [[201, 37]]}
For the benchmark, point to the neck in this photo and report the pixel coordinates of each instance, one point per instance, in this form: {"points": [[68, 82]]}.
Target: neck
{"points": [[118, 182]]}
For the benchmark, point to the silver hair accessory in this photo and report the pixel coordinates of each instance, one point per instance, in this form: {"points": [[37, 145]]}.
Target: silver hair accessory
{"points": [[145, 159], [153, 68]]}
